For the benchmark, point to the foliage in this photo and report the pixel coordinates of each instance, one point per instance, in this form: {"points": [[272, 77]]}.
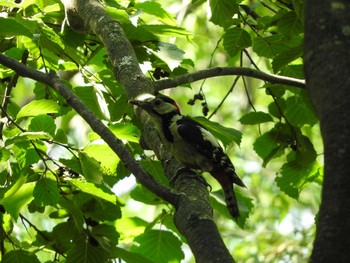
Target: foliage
{"points": [[61, 196]]}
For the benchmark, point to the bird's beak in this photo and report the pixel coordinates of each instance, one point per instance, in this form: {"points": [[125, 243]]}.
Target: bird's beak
{"points": [[142, 104]]}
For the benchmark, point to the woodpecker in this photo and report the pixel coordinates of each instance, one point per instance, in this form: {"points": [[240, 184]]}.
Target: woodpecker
{"points": [[191, 144]]}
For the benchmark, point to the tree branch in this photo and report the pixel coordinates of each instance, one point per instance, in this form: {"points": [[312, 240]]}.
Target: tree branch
{"points": [[227, 71], [96, 125]]}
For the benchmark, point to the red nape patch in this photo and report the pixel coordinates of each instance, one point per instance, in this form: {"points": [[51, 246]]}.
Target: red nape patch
{"points": [[177, 106]]}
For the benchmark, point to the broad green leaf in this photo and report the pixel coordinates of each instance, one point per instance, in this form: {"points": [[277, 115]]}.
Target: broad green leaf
{"points": [[125, 131], [19, 256], [105, 233], [91, 168], [145, 196], [267, 147], [159, 246], [25, 154], [72, 164], [118, 14], [129, 256], [28, 136], [74, 211], [235, 40], [106, 157], [86, 250], [293, 177], [88, 95], [18, 196], [4, 154], [155, 9], [253, 118], [100, 192], [168, 30], [46, 192], [155, 169], [305, 152], [43, 123], [224, 134], [38, 107], [299, 111], [170, 54], [10, 27], [290, 24], [64, 232], [263, 48], [222, 12], [286, 57]]}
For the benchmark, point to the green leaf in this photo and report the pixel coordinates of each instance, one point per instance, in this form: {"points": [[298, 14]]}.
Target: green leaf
{"points": [[4, 155], [299, 111], [253, 118], [88, 95], [286, 57], [290, 24], [120, 15], [293, 177], [305, 152], [125, 131], [159, 246], [38, 107], [25, 154], [106, 157], [129, 256], [145, 196], [105, 233], [170, 54], [235, 40], [91, 168], [42, 123], [224, 134], [267, 147], [263, 48], [222, 12], [100, 192], [86, 250], [27, 136], [46, 192], [155, 9], [19, 256], [18, 196], [10, 27]]}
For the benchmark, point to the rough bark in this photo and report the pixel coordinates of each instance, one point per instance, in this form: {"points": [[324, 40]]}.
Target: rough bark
{"points": [[327, 56], [193, 216]]}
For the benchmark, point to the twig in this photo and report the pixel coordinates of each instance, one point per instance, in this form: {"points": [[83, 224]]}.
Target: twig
{"points": [[227, 71]]}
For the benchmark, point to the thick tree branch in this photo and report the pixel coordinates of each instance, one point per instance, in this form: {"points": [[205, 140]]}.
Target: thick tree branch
{"points": [[193, 215], [227, 71], [96, 124]]}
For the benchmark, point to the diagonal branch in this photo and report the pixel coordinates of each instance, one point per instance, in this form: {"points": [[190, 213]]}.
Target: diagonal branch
{"points": [[96, 124], [227, 71]]}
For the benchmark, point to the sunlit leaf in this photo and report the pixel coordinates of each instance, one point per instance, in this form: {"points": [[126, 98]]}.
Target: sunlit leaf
{"points": [[159, 246], [38, 107], [91, 168], [222, 12], [46, 192]]}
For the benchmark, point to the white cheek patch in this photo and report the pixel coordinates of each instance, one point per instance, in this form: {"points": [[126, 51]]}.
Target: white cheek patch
{"points": [[209, 137], [144, 96]]}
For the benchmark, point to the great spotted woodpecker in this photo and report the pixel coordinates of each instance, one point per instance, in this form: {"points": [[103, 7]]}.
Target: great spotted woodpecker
{"points": [[191, 144]]}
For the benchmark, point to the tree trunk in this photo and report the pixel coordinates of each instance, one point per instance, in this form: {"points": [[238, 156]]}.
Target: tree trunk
{"points": [[327, 57]]}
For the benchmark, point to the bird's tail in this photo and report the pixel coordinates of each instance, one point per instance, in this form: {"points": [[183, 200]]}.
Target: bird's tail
{"points": [[231, 201]]}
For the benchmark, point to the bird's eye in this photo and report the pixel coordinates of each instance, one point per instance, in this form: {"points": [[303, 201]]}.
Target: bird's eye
{"points": [[157, 102]]}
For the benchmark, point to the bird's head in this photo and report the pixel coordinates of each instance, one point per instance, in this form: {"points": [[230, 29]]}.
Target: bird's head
{"points": [[159, 105]]}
